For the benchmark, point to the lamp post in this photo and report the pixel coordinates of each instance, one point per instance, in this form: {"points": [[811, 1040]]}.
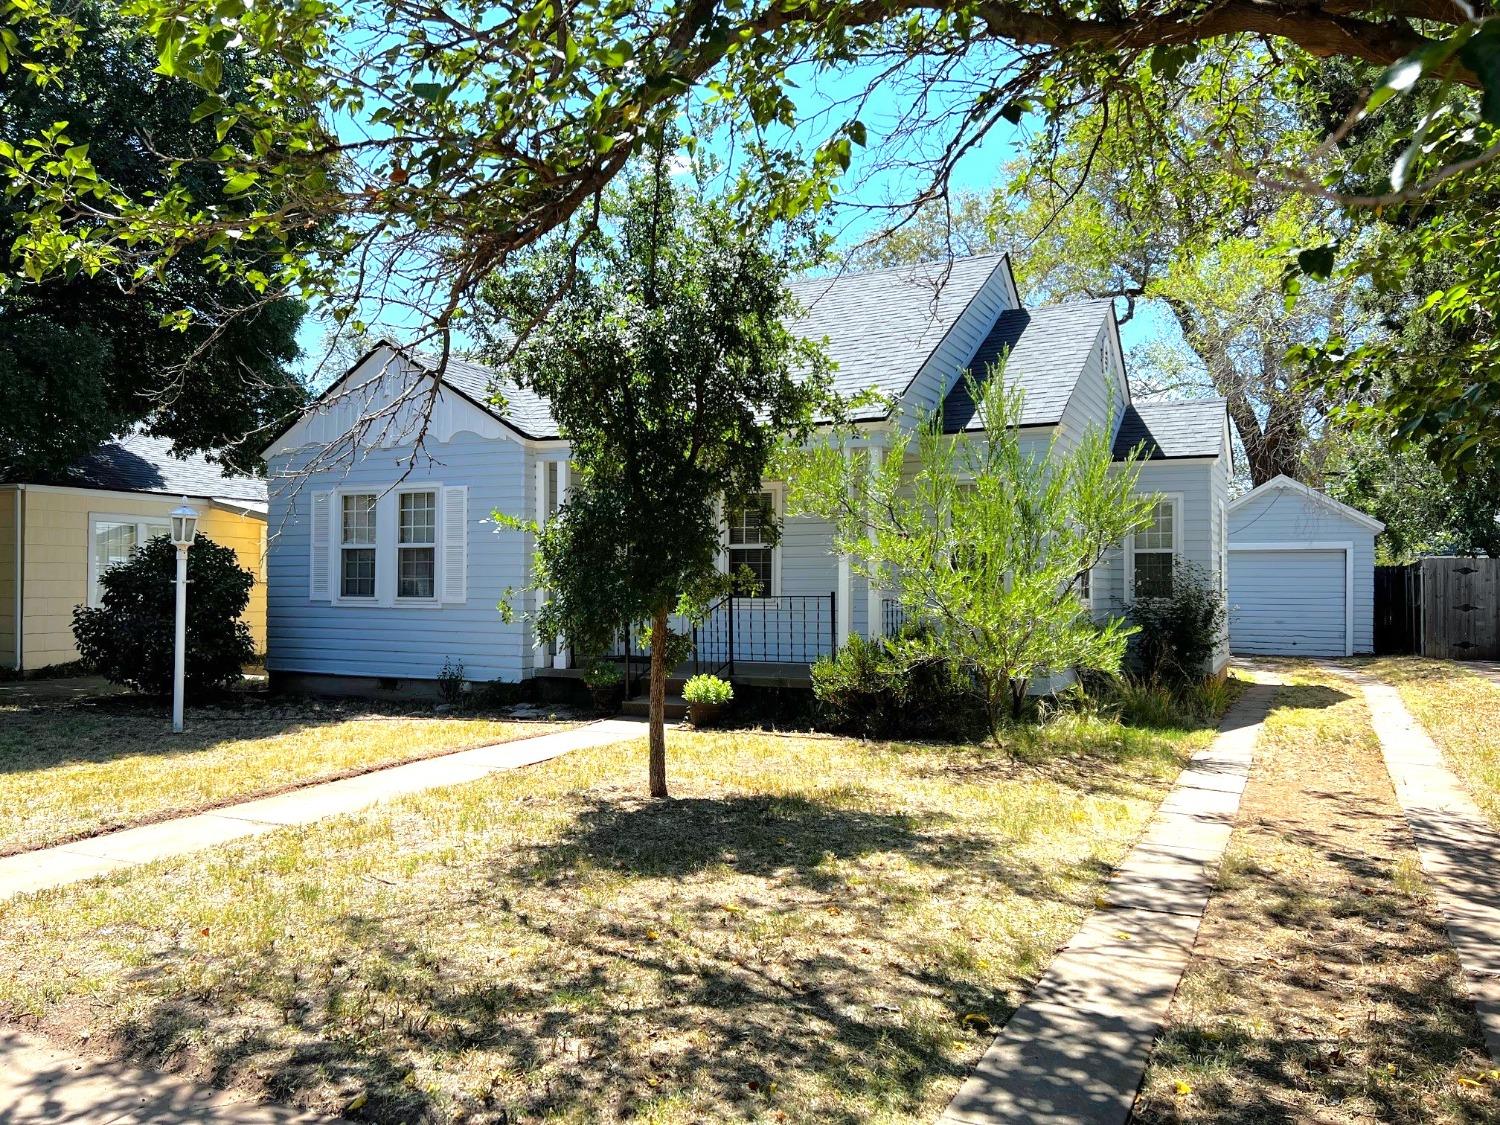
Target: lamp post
{"points": [[184, 530]]}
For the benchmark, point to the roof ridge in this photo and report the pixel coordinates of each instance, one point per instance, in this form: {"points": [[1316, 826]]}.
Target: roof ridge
{"points": [[839, 275]]}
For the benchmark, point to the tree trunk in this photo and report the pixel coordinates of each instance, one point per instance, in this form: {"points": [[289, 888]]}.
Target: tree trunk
{"points": [[658, 721]]}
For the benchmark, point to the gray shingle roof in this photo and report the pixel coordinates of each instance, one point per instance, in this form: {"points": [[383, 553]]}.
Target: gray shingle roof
{"points": [[140, 463], [1172, 429], [882, 325], [1045, 349]]}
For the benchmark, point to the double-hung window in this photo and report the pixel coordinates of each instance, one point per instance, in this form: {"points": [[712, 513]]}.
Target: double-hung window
{"points": [[752, 541], [1154, 551], [112, 539], [416, 546], [357, 545]]}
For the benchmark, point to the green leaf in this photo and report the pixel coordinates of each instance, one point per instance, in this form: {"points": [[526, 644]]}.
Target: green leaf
{"points": [[1481, 54], [1317, 261]]}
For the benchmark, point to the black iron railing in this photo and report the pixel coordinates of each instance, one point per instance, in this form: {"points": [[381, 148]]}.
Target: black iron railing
{"points": [[893, 617], [789, 629]]}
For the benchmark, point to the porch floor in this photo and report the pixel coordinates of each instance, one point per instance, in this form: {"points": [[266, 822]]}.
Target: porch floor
{"points": [[750, 673]]}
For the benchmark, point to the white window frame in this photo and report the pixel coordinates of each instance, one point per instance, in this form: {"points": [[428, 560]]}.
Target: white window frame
{"points": [[1176, 500], [1086, 594], [776, 491], [387, 545], [338, 546], [140, 522], [436, 546]]}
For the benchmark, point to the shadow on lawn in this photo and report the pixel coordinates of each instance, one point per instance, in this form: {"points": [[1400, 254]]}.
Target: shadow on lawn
{"points": [[613, 1015]]}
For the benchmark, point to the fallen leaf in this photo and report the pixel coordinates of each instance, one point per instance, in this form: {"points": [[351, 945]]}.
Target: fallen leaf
{"points": [[1183, 1088], [356, 1102]]}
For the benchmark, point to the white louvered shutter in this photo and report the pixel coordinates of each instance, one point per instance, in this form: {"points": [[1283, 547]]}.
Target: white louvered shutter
{"points": [[320, 531], [455, 544]]}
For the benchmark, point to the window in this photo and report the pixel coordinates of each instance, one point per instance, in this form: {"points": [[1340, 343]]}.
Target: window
{"points": [[416, 549], [1085, 587], [357, 546], [112, 538], [1153, 552], [751, 539]]}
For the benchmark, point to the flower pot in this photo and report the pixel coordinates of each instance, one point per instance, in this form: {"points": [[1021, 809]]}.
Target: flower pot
{"points": [[704, 714]]}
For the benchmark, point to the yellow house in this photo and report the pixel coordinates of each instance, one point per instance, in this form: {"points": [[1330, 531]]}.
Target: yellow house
{"points": [[56, 538]]}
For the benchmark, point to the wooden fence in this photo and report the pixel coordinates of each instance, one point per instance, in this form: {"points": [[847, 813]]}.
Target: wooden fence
{"points": [[1443, 607]]}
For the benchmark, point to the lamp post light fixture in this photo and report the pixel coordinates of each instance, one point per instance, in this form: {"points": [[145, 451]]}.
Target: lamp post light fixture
{"points": [[184, 531]]}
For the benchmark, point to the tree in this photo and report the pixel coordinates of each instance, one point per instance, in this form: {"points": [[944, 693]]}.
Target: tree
{"points": [[672, 376], [131, 637], [88, 356], [987, 540]]}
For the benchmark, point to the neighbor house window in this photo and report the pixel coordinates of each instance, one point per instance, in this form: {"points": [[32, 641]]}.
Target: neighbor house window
{"points": [[1085, 587], [416, 548], [751, 539], [112, 539], [357, 546], [1154, 550]]}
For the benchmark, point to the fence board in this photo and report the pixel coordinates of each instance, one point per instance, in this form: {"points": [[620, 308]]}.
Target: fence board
{"points": [[1461, 608]]}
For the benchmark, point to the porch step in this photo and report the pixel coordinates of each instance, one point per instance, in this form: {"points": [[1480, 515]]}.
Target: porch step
{"points": [[677, 707]]}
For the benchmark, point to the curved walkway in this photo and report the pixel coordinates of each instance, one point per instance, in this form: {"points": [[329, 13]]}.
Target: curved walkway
{"points": [[99, 855]]}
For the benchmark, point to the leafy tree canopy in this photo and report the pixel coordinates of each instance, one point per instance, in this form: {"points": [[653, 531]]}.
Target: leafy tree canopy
{"points": [[87, 355], [466, 132], [672, 375]]}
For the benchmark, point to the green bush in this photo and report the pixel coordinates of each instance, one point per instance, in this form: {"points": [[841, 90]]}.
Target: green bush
{"points": [[130, 638], [451, 681], [707, 690], [1141, 702], [888, 688], [603, 673], [1178, 634]]}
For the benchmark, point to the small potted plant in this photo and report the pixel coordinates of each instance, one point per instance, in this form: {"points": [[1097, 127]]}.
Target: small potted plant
{"points": [[706, 696], [606, 681]]}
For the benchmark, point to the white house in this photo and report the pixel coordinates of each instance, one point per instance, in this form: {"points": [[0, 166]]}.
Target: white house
{"points": [[386, 565]]}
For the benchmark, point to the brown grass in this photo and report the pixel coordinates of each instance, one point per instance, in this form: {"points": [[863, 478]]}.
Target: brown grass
{"points": [[1461, 710], [1322, 987], [799, 935]]}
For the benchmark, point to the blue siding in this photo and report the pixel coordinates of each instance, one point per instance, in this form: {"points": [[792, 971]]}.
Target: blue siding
{"points": [[409, 643], [951, 357], [1285, 516]]}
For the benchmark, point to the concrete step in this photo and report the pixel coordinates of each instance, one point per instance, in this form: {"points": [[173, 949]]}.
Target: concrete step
{"points": [[641, 705]]}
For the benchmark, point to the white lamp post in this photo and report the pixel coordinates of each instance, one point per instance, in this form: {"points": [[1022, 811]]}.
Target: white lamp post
{"points": [[184, 530]]}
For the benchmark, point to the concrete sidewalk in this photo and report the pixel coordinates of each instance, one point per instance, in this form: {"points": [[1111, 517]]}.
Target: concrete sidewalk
{"points": [[114, 851], [1076, 1050], [1458, 845]]}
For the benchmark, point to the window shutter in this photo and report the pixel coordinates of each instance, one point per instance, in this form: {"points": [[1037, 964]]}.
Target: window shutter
{"points": [[319, 578], [455, 544]]}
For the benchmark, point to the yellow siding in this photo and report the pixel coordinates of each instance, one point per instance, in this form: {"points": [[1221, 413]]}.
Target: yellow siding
{"points": [[57, 554], [7, 578]]}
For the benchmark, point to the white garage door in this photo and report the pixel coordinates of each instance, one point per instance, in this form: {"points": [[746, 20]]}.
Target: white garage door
{"points": [[1287, 603]]}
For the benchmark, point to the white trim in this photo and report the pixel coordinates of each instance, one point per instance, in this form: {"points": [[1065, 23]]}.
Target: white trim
{"points": [[1308, 493], [777, 491], [91, 591], [120, 494], [1313, 545], [20, 578], [1177, 502], [386, 546]]}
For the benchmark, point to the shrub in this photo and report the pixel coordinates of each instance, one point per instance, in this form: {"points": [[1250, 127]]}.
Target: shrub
{"points": [[707, 690], [603, 673], [129, 639], [892, 687], [451, 681], [1178, 634]]}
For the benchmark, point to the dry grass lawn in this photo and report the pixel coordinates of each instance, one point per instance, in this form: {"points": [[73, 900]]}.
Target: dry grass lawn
{"points": [[68, 771], [1461, 710], [1322, 987], [813, 929]]}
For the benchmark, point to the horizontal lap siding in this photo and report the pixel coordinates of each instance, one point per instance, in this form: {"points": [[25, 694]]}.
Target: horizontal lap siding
{"points": [[394, 641], [953, 354], [1201, 489], [1287, 603], [1283, 516]]}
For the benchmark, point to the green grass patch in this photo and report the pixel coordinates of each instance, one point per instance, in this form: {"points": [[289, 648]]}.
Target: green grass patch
{"points": [[71, 771]]}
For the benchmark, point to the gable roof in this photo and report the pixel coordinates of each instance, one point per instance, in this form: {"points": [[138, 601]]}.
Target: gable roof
{"points": [[883, 325], [1284, 483], [522, 410], [1172, 429], [1044, 349], [138, 462]]}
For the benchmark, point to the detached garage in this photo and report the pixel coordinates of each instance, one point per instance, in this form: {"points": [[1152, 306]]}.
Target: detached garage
{"points": [[1301, 573]]}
